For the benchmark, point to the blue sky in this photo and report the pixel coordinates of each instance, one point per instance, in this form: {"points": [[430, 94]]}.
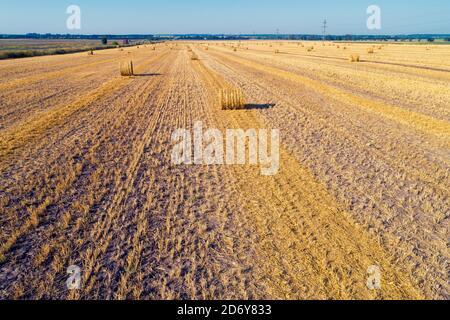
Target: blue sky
{"points": [[224, 16]]}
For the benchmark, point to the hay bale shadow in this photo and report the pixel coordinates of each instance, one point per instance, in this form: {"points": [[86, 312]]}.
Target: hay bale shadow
{"points": [[148, 75], [259, 106]]}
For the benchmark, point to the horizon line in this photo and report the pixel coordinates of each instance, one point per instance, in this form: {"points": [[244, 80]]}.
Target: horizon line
{"points": [[223, 34]]}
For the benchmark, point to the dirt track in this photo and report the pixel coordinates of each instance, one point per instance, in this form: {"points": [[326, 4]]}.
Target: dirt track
{"points": [[87, 178]]}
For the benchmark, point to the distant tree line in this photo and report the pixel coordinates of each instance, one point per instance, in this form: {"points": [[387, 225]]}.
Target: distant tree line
{"points": [[78, 36], [104, 38]]}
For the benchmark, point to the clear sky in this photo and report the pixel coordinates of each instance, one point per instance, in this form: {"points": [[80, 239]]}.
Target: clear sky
{"points": [[224, 16]]}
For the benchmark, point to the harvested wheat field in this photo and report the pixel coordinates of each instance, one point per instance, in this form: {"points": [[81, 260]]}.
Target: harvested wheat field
{"points": [[87, 179]]}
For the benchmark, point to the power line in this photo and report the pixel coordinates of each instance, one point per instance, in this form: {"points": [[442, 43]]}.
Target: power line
{"points": [[324, 27]]}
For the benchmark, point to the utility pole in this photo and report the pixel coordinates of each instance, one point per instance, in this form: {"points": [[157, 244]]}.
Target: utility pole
{"points": [[324, 27]]}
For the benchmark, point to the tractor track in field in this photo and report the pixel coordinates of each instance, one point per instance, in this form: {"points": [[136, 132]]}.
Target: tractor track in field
{"points": [[321, 57], [426, 124], [21, 102], [433, 192], [24, 132], [376, 83], [438, 174], [85, 167], [168, 242], [21, 68], [50, 75], [302, 232]]}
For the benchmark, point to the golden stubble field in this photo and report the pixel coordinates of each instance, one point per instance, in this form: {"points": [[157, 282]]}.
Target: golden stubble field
{"points": [[86, 176]]}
